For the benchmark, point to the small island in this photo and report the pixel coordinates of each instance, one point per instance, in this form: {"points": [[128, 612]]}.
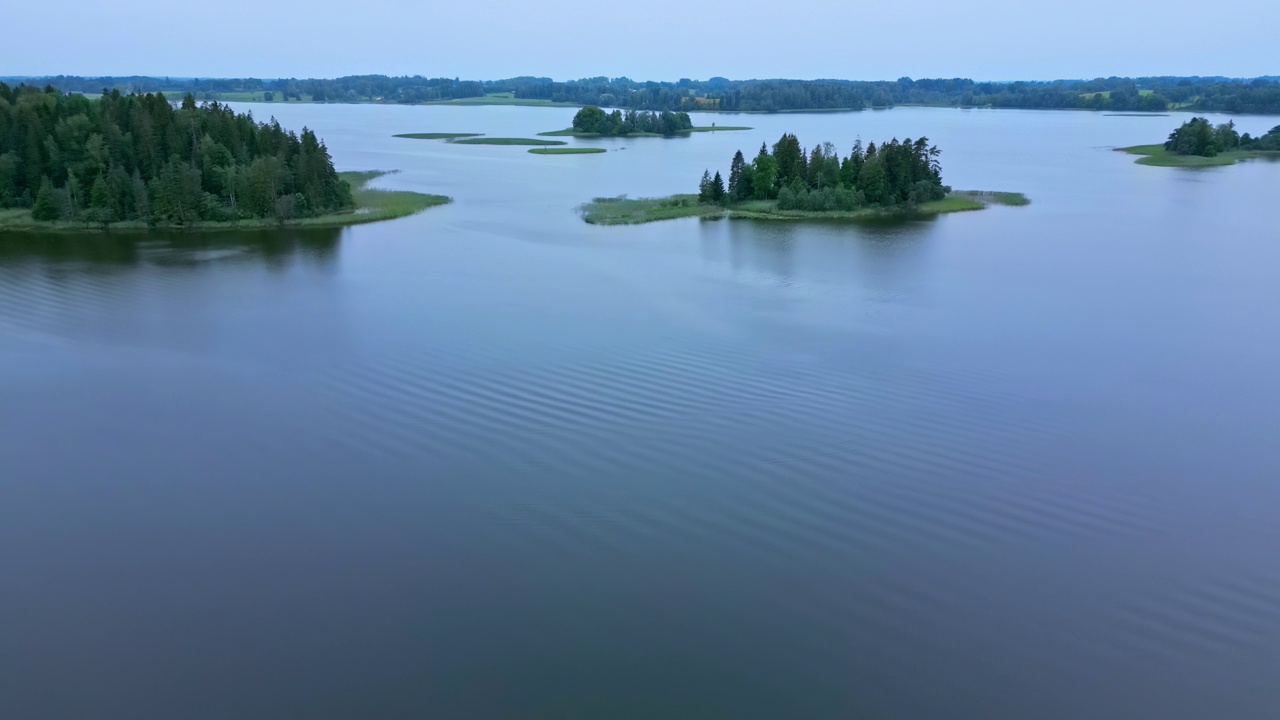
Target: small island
{"points": [[566, 150], [592, 122], [1198, 143], [437, 136], [72, 163], [894, 179], [505, 141]]}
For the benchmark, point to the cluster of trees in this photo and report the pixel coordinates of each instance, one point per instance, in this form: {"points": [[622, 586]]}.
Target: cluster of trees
{"points": [[138, 157], [1207, 94], [592, 119], [892, 174], [1198, 136]]}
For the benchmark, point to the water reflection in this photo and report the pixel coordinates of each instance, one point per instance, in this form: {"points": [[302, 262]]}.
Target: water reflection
{"points": [[879, 251], [277, 248]]}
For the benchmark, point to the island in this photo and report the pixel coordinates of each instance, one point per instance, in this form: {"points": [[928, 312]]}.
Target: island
{"points": [[592, 122], [437, 136], [504, 141], [70, 162], [1199, 143], [566, 150], [786, 183]]}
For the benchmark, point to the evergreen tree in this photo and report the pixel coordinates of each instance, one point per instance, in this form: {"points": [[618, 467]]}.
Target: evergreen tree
{"points": [[46, 207], [735, 176], [704, 187], [717, 188]]}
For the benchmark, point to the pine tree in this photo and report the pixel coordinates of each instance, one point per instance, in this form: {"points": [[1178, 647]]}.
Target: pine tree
{"points": [[717, 188], [735, 176], [704, 187], [46, 207]]}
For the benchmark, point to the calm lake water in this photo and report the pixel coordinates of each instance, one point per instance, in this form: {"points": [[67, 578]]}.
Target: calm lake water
{"points": [[493, 462]]}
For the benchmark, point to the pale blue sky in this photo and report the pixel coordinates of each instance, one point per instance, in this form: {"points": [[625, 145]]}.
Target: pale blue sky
{"points": [[655, 39]]}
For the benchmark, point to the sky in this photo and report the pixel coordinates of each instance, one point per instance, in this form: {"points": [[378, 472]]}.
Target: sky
{"points": [[649, 40]]}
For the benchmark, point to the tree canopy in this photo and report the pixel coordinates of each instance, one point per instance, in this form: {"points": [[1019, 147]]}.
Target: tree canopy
{"points": [[592, 119], [140, 157], [894, 174], [1198, 136]]}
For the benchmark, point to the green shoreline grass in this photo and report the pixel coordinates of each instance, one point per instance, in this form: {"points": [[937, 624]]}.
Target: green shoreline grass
{"points": [[566, 150], [1158, 156], [570, 132], [505, 141], [437, 136], [372, 205], [625, 211]]}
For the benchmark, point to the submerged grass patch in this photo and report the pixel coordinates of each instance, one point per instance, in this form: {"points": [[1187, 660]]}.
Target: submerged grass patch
{"points": [[437, 136], [505, 141], [1158, 156], [629, 211], [372, 205], [566, 150]]}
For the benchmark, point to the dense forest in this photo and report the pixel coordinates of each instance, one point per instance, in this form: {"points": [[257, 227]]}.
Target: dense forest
{"points": [[894, 174], [138, 157], [1205, 94], [1198, 136], [592, 119]]}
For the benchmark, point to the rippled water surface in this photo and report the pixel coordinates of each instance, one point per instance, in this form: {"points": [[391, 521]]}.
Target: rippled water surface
{"points": [[492, 462]]}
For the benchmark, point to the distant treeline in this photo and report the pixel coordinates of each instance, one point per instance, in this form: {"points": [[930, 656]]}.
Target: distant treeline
{"points": [[138, 157], [895, 174], [1208, 94]]}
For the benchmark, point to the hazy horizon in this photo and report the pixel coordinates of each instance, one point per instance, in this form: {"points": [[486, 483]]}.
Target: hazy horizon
{"points": [[992, 40]]}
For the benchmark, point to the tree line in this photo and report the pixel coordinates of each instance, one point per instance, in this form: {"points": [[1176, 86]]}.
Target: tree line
{"points": [[889, 175], [1205, 94], [1198, 136], [592, 119], [140, 157]]}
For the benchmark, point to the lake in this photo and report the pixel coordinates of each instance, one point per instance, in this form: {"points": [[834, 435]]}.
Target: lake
{"points": [[493, 462]]}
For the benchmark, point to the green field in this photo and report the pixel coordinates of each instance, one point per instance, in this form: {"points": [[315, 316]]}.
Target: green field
{"points": [[372, 205], [501, 99], [1158, 156], [566, 150], [626, 211], [570, 132], [505, 141], [437, 136]]}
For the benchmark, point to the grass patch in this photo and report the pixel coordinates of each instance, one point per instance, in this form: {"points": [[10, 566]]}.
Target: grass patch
{"points": [[627, 211], [437, 136], [1158, 156], [566, 150], [505, 141], [719, 128], [570, 132], [372, 205]]}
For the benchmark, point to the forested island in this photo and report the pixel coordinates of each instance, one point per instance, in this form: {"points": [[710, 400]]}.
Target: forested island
{"points": [[1199, 143], [1115, 94], [139, 161], [591, 121], [786, 182]]}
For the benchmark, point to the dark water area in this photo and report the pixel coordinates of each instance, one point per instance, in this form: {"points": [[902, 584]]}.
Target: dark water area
{"points": [[492, 462]]}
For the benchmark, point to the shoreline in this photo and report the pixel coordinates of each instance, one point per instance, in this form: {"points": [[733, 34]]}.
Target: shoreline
{"points": [[1158, 156], [372, 205], [637, 211]]}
